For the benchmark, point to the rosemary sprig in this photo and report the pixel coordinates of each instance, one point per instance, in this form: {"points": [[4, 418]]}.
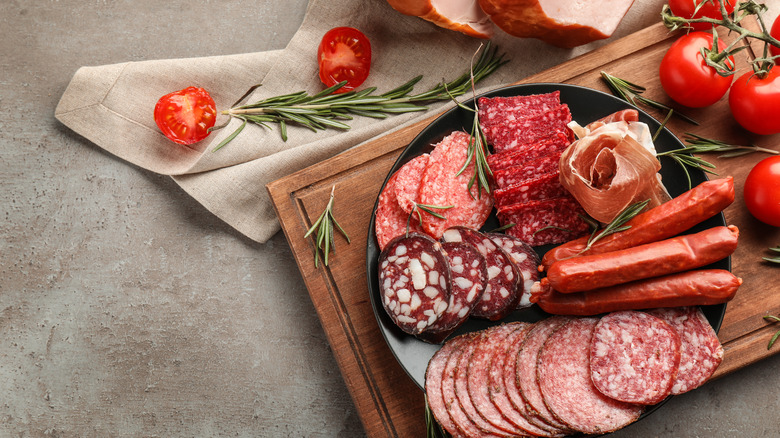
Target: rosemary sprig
{"points": [[617, 224], [684, 158], [432, 428], [772, 318], [324, 225], [325, 110], [774, 259], [417, 208], [632, 93]]}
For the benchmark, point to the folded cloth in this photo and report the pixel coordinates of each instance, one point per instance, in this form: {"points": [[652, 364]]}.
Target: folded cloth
{"points": [[112, 105]]}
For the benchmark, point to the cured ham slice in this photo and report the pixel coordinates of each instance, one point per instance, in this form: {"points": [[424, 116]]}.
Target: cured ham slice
{"points": [[612, 167], [562, 23], [464, 16]]}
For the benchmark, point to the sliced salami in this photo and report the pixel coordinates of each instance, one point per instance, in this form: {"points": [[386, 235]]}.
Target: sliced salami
{"points": [[502, 381], [543, 187], [502, 292], [468, 278], [462, 392], [634, 357], [497, 111], [700, 350], [555, 143], [555, 220], [486, 348], [434, 377], [526, 362], [448, 389], [530, 129], [525, 259], [442, 186], [391, 219], [564, 380], [408, 182], [414, 278], [515, 175]]}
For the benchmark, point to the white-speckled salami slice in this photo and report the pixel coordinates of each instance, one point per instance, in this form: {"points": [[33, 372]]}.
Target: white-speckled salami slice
{"points": [[448, 389], [502, 381], [414, 279], [502, 292], [564, 379], [408, 182], [526, 362], [434, 376], [525, 258], [700, 350], [634, 357], [468, 278]]}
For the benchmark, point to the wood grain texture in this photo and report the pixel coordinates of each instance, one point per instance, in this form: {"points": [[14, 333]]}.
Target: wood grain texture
{"points": [[388, 401]]}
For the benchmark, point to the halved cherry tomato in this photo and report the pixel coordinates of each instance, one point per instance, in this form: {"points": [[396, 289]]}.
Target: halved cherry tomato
{"points": [[344, 55], [775, 32], [185, 116], [762, 191], [710, 9], [755, 102], [685, 76]]}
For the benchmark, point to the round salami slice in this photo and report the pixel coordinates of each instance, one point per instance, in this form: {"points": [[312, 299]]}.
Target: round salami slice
{"points": [[468, 278], [449, 396], [526, 362], [564, 380], [414, 278], [700, 350], [408, 182], [502, 380], [486, 349], [526, 260], [634, 357], [391, 220], [502, 292], [434, 376]]}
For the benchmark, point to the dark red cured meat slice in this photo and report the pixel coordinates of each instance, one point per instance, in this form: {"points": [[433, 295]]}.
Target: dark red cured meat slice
{"points": [[700, 350], [543, 222], [442, 186], [448, 389], [486, 348], [391, 219], [526, 360], [563, 373], [530, 129], [536, 189], [515, 175], [502, 292], [407, 184], [502, 380], [468, 278], [462, 392], [434, 376], [555, 143], [414, 278], [502, 110], [525, 259], [634, 357]]}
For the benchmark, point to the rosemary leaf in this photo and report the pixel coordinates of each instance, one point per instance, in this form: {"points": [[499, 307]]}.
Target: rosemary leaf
{"points": [[772, 318], [774, 259], [617, 224], [324, 227], [632, 93]]}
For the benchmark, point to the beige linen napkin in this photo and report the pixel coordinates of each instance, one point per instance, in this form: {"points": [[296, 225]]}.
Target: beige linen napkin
{"points": [[112, 105]]}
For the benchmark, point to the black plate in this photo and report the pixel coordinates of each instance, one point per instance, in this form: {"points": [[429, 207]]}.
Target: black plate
{"points": [[586, 105]]}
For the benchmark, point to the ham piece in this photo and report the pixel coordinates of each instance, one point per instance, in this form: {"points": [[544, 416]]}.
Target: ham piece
{"points": [[464, 16], [563, 23], [612, 167]]}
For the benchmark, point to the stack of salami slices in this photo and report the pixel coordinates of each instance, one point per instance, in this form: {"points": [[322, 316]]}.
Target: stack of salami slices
{"points": [[568, 375], [528, 135]]}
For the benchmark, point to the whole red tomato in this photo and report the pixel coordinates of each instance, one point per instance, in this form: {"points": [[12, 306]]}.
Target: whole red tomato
{"points": [[762, 191], [686, 78], [710, 9], [755, 102], [344, 54], [185, 116], [775, 32]]}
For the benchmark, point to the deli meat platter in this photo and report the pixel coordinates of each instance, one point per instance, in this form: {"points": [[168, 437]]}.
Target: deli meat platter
{"points": [[383, 367]]}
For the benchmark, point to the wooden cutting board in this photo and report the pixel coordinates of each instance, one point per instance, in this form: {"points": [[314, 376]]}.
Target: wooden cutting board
{"points": [[387, 400]]}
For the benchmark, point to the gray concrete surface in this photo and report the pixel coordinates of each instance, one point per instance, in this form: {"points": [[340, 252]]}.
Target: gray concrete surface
{"points": [[126, 309]]}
